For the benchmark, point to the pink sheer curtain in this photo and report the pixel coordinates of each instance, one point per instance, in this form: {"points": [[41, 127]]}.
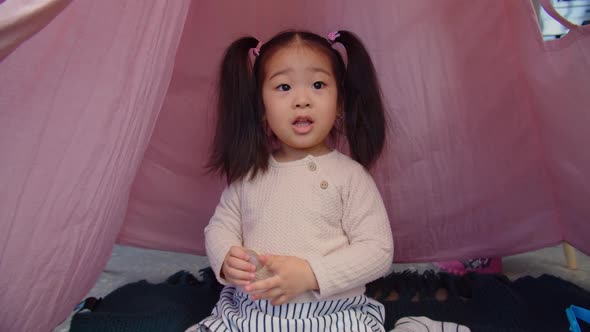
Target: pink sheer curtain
{"points": [[468, 169], [78, 103], [21, 19], [486, 154], [560, 78]]}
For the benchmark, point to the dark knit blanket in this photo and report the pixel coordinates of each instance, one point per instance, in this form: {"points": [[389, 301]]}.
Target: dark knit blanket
{"points": [[481, 302], [484, 303]]}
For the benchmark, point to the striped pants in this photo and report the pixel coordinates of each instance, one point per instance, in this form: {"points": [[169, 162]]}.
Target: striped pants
{"points": [[235, 311]]}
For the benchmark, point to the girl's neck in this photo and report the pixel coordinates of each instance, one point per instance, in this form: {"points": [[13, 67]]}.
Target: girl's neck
{"points": [[286, 153]]}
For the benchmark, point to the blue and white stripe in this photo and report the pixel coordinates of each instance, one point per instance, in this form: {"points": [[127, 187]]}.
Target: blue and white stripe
{"points": [[235, 311]]}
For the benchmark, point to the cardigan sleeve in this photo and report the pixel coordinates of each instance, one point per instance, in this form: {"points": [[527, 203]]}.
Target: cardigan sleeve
{"points": [[224, 229], [369, 253]]}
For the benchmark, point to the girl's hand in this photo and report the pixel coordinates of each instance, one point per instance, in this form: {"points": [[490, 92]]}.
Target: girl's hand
{"points": [[236, 269], [292, 276]]}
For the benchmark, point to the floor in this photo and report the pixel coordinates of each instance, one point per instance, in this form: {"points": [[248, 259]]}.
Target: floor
{"points": [[129, 264]]}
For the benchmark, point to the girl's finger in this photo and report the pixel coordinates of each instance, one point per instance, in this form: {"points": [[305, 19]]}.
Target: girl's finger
{"points": [[262, 285], [240, 264], [236, 274], [239, 252], [270, 294]]}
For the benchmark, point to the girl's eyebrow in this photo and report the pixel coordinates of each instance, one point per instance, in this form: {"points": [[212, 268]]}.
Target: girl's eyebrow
{"points": [[290, 70], [281, 72], [318, 69]]}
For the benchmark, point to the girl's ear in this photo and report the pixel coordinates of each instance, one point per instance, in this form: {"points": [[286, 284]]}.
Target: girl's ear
{"points": [[340, 122], [267, 131], [341, 107]]}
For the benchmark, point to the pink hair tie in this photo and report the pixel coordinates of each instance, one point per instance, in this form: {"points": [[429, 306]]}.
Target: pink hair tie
{"points": [[256, 50], [332, 36]]}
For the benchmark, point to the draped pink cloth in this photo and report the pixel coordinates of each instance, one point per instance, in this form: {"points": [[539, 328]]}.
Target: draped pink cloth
{"points": [[21, 19], [78, 103], [106, 117]]}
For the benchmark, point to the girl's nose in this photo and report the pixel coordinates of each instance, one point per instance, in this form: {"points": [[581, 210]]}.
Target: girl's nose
{"points": [[302, 105], [302, 102], [301, 99]]}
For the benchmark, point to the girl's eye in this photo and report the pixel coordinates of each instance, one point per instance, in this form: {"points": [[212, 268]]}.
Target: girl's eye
{"points": [[284, 87], [318, 85]]}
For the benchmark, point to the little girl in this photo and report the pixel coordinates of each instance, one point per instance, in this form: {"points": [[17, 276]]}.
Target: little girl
{"points": [[314, 214]]}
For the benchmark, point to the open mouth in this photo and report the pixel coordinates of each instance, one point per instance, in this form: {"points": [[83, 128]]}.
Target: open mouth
{"points": [[302, 121], [302, 125]]}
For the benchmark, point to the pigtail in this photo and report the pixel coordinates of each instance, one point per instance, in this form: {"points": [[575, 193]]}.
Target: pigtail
{"points": [[239, 144], [364, 110]]}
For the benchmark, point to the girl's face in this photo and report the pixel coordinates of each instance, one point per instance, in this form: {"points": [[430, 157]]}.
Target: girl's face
{"points": [[300, 100]]}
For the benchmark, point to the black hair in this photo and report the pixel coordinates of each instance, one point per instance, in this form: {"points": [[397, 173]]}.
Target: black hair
{"points": [[241, 144]]}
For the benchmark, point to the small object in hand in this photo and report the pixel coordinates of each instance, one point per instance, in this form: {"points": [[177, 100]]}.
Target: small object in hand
{"points": [[261, 271], [254, 259]]}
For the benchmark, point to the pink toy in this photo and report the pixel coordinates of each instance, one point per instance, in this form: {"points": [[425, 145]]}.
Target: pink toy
{"points": [[478, 265]]}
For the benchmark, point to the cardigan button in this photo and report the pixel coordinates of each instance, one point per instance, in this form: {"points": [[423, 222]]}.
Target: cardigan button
{"points": [[324, 184], [312, 166]]}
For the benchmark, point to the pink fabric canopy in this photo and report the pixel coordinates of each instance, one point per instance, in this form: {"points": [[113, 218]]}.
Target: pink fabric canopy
{"points": [[106, 117]]}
